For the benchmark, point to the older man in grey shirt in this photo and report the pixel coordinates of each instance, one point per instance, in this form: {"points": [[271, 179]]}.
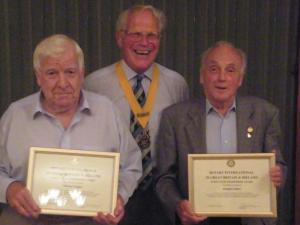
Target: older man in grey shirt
{"points": [[172, 89], [61, 115]]}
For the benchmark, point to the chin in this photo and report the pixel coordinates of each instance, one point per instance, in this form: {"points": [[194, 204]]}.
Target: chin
{"points": [[143, 67], [142, 61], [65, 103]]}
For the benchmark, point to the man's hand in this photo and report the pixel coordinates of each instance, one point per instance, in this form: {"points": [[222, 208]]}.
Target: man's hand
{"points": [[276, 175], [186, 214], [19, 198], [108, 219]]}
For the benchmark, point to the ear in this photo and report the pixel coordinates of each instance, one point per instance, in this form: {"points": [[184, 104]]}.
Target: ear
{"points": [[119, 38], [82, 74], [201, 77], [37, 77], [241, 79]]}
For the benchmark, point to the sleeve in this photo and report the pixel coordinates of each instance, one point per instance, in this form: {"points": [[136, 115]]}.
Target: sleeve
{"points": [[130, 161], [166, 172], [181, 89], [185, 91], [5, 177], [273, 140]]}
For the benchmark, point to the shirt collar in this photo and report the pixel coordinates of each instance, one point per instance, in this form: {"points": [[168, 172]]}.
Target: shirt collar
{"points": [[38, 109], [131, 73], [209, 107]]}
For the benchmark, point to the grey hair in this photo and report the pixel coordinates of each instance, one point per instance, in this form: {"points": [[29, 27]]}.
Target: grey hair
{"points": [[54, 46], [158, 14]]}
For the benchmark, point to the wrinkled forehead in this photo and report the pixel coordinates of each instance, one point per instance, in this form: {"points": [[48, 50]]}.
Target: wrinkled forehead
{"points": [[67, 59], [142, 19], [224, 55], [59, 50]]}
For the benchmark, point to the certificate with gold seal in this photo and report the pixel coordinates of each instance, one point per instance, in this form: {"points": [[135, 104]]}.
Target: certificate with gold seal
{"points": [[73, 182], [232, 184]]}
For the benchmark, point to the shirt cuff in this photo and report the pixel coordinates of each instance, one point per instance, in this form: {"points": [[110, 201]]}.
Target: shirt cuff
{"points": [[124, 195], [5, 182]]}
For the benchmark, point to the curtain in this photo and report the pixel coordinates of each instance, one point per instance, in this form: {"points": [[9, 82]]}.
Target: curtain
{"points": [[266, 30], [297, 189]]}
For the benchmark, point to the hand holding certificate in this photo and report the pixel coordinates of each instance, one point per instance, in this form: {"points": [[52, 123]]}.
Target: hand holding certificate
{"points": [[73, 182], [232, 184]]}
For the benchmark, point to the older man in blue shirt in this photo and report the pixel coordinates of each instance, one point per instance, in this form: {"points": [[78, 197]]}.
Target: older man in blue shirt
{"points": [[61, 115]]}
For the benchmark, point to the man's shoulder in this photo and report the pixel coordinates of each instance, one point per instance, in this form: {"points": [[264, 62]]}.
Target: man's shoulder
{"points": [[102, 80], [100, 105], [28, 101], [256, 102], [107, 71], [96, 99], [185, 107], [22, 106], [183, 113], [101, 73], [170, 74], [257, 105]]}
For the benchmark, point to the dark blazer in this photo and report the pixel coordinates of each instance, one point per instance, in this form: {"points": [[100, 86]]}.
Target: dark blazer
{"points": [[182, 131]]}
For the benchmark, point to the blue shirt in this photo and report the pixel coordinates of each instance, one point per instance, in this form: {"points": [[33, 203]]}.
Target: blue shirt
{"points": [[221, 136], [96, 126]]}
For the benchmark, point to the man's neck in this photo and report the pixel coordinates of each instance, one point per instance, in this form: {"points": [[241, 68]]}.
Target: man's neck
{"points": [[64, 115], [222, 107], [134, 70]]}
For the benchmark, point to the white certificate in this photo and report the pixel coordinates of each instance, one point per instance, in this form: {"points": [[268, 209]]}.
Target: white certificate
{"points": [[73, 182], [232, 184]]}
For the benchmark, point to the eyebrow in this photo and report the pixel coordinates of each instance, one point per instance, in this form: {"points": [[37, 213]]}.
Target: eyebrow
{"points": [[232, 64], [212, 62]]}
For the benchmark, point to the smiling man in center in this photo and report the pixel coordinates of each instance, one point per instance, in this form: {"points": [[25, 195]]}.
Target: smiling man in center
{"points": [[141, 89]]}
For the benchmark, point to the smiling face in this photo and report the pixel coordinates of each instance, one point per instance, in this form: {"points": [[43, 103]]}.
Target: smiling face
{"points": [[139, 41], [60, 79], [221, 75]]}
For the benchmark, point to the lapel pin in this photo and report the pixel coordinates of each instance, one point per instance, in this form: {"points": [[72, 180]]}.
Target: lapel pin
{"points": [[250, 129], [249, 132]]}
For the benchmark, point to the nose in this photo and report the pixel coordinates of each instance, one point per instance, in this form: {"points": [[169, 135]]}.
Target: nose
{"points": [[222, 76], [144, 39], [62, 80]]}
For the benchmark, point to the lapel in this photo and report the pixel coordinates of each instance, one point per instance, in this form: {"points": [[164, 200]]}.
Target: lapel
{"points": [[195, 127], [246, 125]]}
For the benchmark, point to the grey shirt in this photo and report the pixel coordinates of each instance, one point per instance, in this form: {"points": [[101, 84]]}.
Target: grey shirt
{"points": [[172, 88], [96, 126]]}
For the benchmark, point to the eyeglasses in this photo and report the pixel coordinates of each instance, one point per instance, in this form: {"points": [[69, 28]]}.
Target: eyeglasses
{"points": [[137, 36]]}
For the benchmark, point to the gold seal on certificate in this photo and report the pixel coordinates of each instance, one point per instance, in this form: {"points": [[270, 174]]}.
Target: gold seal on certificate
{"points": [[73, 182], [232, 184]]}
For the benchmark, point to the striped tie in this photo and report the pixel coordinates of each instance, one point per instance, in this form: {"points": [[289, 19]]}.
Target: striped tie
{"points": [[141, 135]]}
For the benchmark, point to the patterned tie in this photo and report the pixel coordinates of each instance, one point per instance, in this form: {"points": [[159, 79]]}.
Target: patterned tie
{"points": [[141, 135]]}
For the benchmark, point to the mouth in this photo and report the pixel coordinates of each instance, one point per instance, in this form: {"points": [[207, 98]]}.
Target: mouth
{"points": [[221, 88], [63, 93], [142, 52]]}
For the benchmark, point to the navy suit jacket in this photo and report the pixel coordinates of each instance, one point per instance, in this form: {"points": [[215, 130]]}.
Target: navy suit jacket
{"points": [[182, 131]]}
